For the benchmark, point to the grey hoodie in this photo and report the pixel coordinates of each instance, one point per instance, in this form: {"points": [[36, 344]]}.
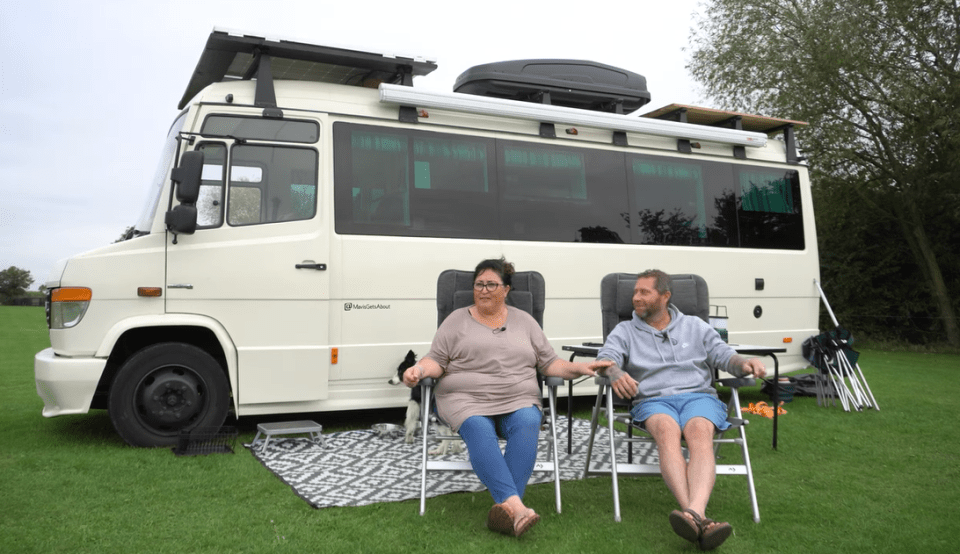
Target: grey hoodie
{"points": [[676, 360]]}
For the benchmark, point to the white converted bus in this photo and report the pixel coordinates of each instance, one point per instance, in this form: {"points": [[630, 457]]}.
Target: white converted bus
{"points": [[308, 197]]}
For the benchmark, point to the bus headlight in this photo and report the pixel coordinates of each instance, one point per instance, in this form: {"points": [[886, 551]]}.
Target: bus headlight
{"points": [[67, 306]]}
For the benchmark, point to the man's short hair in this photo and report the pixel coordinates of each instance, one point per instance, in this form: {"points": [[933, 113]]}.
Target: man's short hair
{"points": [[662, 282]]}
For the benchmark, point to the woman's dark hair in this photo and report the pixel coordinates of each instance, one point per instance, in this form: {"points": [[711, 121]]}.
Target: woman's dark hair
{"points": [[502, 267]]}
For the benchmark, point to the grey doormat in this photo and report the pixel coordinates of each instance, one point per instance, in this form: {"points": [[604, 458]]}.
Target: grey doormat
{"points": [[356, 468]]}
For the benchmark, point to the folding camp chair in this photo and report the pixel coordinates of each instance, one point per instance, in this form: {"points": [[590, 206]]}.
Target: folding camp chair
{"points": [[527, 293], [833, 355], [691, 297]]}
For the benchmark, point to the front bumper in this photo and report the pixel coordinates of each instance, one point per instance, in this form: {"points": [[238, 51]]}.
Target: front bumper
{"points": [[66, 385]]}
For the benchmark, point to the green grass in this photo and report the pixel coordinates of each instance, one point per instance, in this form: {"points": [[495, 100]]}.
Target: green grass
{"points": [[877, 481]]}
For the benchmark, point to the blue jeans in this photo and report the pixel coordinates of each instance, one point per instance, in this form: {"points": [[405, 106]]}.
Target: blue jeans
{"points": [[504, 474]]}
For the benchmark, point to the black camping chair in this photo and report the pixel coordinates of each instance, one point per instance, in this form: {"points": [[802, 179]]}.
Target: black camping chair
{"points": [[527, 293], [833, 355], [691, 297]]}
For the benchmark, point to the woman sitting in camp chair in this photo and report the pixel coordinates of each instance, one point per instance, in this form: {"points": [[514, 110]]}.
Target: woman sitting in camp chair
{"points": [[486, 357]]}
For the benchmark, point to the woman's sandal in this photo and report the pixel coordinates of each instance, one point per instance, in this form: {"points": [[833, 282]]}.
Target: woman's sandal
{"points": [[683, 526], [525, 522], [503, 519], [713, 533]]}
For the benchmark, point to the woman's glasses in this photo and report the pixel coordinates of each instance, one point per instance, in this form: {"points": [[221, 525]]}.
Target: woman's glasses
{"points": [[491, 286]]}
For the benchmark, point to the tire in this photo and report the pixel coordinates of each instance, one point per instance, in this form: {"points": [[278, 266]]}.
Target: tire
{"points": [[164, 389]]}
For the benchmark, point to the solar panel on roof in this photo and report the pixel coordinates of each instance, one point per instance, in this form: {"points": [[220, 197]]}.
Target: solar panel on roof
{"points": [[230, 55]]}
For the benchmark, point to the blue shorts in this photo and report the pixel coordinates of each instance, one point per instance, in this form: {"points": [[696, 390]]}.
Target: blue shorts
{"points": [[684, 407]]}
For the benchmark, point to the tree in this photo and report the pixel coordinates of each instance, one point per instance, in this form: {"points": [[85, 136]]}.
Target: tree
{"points": [[879, 83], [13, 283], [127, 234]]}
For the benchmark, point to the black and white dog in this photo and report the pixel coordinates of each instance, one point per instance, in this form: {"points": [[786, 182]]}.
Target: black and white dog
{"points": [[413, 411]]}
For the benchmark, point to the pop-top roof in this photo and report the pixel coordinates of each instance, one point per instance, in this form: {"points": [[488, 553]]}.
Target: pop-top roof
{"points": [[233, 55]]}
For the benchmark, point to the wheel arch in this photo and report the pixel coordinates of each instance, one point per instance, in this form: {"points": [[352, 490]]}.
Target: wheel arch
{"points": [[130, 336]]}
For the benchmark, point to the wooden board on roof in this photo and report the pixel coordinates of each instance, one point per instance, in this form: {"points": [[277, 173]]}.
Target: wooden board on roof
{"points": [[712, 117]]}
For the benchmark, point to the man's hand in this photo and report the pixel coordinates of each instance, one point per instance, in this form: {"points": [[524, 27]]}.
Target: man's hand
{"points": [[623, 385], [754, 367]]}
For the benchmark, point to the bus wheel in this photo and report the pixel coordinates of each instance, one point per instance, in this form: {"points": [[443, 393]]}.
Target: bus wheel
{"points": [[166, 388]]}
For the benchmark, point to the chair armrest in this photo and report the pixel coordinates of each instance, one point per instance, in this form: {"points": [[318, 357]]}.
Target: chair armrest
{"points": [[737, 422], [553, 381], [736, 383]]}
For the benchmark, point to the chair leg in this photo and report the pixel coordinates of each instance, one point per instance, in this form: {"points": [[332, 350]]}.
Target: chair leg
{"points": [[594, 423], [424, 429], [553, 446], [735, 401], [613, 454]]}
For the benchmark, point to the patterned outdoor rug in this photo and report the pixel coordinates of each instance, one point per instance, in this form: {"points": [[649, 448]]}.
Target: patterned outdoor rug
{"points": [[356, 468]]}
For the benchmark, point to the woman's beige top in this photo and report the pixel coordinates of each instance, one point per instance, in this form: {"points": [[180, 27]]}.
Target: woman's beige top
{"points": [[488, 371]]}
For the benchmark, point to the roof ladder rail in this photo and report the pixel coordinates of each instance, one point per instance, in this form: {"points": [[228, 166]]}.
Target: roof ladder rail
{"points": [[735, 122], [679, 115]]}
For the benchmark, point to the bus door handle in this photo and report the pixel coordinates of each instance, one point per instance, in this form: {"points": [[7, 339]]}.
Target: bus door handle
{"points": [[312, 265]]}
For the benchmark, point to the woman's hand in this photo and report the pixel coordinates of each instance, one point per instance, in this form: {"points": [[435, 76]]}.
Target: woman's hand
{"points": [[598, 365], [569, 370], [426, 367], [412, 376]]}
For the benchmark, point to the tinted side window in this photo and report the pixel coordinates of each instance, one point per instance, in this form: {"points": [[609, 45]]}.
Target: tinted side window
{"points": [[283, 130], [400, 182], [412, 183], [682, 202], [561, 194], [770, 212]]}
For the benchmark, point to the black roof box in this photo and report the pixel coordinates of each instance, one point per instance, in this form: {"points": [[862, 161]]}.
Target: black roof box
{"points": [[572, 83]]}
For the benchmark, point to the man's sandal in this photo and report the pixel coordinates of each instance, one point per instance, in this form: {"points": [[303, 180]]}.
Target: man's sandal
{"points": [[712, 533], [683, 526]]}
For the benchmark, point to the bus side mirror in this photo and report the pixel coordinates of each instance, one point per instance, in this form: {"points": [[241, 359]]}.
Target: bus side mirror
{"points": [[187, 177], [182, 219]]}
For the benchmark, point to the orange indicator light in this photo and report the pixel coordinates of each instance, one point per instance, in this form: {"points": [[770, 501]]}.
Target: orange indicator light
{"points": [[71, 294]]}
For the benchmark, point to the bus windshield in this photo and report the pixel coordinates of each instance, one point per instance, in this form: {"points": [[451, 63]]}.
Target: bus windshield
{"points": [[159, 177]]}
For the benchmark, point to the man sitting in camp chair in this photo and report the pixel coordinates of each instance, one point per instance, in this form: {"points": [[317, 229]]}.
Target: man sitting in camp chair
{"points": [[665, 362]]}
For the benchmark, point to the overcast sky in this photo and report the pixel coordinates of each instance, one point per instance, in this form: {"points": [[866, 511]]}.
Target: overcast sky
{"points": [[88, 89]]}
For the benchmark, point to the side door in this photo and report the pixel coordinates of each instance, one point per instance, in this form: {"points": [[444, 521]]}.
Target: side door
{"points": [[257, 261]]}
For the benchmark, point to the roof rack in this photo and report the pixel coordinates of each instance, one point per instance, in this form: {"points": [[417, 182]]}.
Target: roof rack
{"points": [[235, 55], [730, 120]]}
